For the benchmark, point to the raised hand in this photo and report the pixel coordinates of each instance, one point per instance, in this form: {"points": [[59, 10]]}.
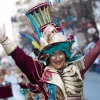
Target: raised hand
{"points": [[2, 33]]}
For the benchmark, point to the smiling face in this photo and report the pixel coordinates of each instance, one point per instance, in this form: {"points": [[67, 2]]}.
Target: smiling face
{"points": [[57, 60]]}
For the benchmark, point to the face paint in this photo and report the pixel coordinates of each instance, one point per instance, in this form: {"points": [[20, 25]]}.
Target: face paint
{"points": [[61, 55], [53, 57], [57, 59]]}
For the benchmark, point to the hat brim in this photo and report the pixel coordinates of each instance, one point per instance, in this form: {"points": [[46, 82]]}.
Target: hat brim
{"points": [[41, 55]]}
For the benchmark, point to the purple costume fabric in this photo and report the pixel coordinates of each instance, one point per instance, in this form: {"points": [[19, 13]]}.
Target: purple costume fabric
{"points": [[6, 91]]}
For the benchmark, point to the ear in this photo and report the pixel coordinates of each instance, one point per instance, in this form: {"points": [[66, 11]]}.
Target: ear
{"points": [[46, 56]]}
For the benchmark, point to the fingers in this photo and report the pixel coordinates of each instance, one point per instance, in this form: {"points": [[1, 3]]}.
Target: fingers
{"points": [[4, 27], [2, 30]]}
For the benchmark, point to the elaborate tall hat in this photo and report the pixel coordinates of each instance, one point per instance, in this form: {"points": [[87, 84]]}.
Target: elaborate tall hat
{"points": [[40, 17], [48, 34]]}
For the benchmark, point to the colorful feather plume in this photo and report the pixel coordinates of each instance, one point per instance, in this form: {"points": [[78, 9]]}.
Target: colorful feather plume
{"points": [[35, 44]]}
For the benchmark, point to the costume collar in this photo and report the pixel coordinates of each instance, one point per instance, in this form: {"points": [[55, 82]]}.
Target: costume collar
{"points": [[56, 77], [51, 75]]}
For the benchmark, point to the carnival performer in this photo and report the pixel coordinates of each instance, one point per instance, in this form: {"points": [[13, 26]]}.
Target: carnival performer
{"points": [[57, 73]]}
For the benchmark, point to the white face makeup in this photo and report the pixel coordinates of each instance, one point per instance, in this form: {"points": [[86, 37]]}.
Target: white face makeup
{"points": [[57, 60], [60, 55]]}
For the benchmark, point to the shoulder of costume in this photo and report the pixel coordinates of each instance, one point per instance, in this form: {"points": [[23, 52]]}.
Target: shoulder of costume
{"points": [[78, 62]]}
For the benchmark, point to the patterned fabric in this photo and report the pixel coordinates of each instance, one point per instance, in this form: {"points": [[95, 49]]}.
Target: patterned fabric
{"points": [[59, 94], [74, 98], [47, 75], [52, 91], [72, 80]]}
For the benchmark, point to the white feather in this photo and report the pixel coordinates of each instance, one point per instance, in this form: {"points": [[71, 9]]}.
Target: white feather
{"points": [[51, 1]]}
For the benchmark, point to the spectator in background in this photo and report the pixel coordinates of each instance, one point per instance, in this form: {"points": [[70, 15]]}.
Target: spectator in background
{"points": [[92, 41]]}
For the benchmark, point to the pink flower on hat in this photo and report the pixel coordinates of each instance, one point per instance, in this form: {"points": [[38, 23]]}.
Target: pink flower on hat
{"points": [[71, 37]]}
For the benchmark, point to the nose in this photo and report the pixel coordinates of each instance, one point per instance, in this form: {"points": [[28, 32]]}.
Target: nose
{"points": [[57, 57]]}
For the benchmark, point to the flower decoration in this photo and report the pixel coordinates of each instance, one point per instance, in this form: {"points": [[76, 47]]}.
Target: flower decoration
{"points": [[47, 75]]}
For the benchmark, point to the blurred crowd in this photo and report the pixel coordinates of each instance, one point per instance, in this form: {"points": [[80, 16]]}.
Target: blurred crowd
{"points": [[6, 69], [85, 49]]}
